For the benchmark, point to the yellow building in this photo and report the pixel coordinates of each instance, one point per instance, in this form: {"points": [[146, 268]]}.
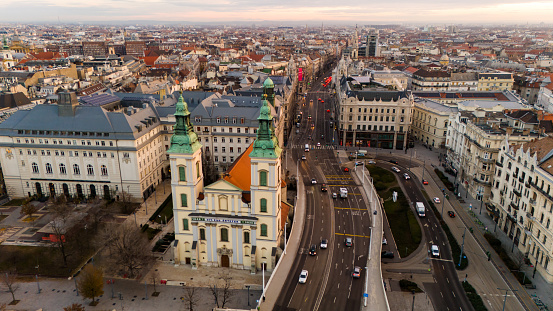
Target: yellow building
{"points": [[237, 221], [502, 81]]}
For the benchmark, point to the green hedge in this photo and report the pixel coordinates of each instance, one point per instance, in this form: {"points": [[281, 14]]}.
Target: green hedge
{"points": [[455, 247], [165, 209], [475, 299], [448, 184], [408, 286]]}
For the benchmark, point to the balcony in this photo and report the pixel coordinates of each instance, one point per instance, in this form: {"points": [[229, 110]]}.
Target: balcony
{"points": [[532, 201], [484, 160], [513, 206], [545, 194], [498, 164], [527, 184], [521, 179], [501, 192], [485, 183], [517, 193], [530, 216]]}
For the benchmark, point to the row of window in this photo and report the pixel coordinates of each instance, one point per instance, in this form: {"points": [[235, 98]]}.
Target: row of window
{"points": [[224, 149], [224, 232], [71, 153], [375, 110], [371, 128], [63, 170], [60, 142], [224, 119], [62, 133], [222, 130]]}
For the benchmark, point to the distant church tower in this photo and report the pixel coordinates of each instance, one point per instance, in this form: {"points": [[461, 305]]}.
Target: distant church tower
{"points": [[187, 180], [355, 50], [269, 91]]}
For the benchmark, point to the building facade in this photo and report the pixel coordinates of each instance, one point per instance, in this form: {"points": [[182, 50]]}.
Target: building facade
{"points": [[430, 122], [495, 81], [235, 222]]}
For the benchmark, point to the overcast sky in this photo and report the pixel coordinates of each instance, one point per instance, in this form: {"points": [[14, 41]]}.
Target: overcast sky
{"points": [[315, 11]]}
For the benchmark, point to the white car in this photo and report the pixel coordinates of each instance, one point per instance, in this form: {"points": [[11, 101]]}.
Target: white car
{"points": [[313, 181], [436, 200], [303, 276], [406, 176], [318, 144], [395, 169], [303, 157], [435, 251], [371, 162], [358, 163], [324, 243], [384, 241]]}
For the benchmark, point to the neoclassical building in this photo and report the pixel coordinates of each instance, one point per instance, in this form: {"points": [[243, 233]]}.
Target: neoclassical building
{"points": [[237, 221]]}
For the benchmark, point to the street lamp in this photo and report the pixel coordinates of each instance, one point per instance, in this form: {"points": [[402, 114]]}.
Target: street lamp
{"points": [[506, 291], [462, 246], [481, 201], [443, 202]]}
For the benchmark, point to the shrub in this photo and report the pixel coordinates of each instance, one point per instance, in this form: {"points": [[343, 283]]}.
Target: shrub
{"points": [[379, 186], [474, 298], [408, 286]]}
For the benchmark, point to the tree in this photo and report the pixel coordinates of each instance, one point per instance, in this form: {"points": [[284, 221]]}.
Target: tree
{"points": [[126, 204], [28, 209], [223, 294], [9, 279], [190, 298], [74, 307], [129, 248], [59, 225], [91, 282], [154, 277]]}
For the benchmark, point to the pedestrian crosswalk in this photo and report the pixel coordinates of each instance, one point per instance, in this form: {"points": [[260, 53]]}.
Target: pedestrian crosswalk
{"points": [[322, 146]]}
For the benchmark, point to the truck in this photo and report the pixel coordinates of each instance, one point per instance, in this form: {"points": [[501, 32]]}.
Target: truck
{"points": [[421, 209], [343, 193]]}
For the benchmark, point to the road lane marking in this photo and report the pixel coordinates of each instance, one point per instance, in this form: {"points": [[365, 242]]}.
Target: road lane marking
{"points": [[442, 294], [334, 299], [353, 235], [447, 280], [453, 294]]}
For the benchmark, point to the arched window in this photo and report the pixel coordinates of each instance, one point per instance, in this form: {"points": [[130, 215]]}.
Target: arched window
{"points": [[263, 206], [247, 237], [104, 170], [63, 171], [223, 203], [263, 230], [89, 169], [34, 166], [224, 235], [263, 178], [182, 173], [76, 169], [49, 168]]}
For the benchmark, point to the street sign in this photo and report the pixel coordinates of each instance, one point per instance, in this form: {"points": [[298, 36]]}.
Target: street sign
{"points": [[365, 295]]}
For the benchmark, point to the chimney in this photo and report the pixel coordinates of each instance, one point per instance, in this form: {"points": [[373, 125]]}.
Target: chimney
{"points": [[67, 102]]}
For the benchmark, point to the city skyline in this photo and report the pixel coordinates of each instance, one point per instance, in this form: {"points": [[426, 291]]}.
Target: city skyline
{"points": [[221, 11]]}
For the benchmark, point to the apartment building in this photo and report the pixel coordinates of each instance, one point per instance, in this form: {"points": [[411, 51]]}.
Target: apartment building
{"points": [[499, 81], [430, 121], [430, 80], [522, 201]]}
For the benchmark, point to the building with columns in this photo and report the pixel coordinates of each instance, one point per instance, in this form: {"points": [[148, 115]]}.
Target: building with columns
{"points": [[237, 221]]}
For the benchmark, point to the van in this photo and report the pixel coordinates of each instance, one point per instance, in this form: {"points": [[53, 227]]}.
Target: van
{"points": [[306, 147], [435, 251]]}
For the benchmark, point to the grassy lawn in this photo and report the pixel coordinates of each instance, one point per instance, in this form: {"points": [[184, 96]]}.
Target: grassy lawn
{"points": [[2, 217], [15, 202], [165, 210], [26, 258], [403, 222]]}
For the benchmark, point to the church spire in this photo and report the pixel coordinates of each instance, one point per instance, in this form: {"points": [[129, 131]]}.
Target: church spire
{"points": [[184, 139], [266, 144]]}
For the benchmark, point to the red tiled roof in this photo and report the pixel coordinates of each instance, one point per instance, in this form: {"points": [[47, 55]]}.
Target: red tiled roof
{"points": [[239, 174], [285, 209], [149, 60]]}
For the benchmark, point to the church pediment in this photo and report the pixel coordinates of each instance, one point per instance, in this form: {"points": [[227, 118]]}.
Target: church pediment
{"points": [[221, 185]]}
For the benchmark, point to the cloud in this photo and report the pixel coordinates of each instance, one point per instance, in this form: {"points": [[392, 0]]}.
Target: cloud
{"points": [[353, 11]]}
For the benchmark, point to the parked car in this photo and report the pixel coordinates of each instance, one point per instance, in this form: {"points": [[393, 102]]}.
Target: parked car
{"points": [[303, 276], [313, 181], [324, 243], [386, 254], [425, 182], [406, 176], [436, 200], [348, 242], [384, 241], [451, 214], [313, 250], [356, 272]]}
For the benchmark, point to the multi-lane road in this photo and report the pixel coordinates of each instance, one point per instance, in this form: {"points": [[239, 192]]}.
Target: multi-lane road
{"points": [[330, 285]]}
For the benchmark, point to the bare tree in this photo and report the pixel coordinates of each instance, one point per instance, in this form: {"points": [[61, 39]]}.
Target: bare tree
{"points": [[155, 277], [9, 279], [129, 248], [28, 209], [222, 294], [208, 168], [59, 230], [126, 204], [191, 298]]}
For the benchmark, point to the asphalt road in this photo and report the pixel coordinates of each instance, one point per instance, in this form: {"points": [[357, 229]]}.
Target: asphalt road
{"points": [[447, 294], [330, 285]]}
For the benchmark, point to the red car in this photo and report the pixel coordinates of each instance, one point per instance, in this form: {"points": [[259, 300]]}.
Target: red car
{"points": [[424, 182], [319, 99], [322, 101], [346, 169]]}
